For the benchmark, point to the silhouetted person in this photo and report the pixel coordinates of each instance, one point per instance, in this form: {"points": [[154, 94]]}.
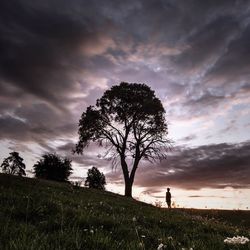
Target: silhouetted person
{"points": [[168, 197]]}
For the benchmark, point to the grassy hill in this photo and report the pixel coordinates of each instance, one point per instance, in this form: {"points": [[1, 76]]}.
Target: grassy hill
{"points": [[39, 214]]}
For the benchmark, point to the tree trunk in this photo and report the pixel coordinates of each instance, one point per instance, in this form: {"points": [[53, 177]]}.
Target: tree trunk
{"points": [[128, 188], [128, 183]]}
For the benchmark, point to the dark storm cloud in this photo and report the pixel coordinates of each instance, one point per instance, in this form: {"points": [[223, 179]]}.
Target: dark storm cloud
{"points": [[206, 43], [43, 47], [187, 42], [47, 37], [212, 166], [58, 57], [214, 62], [45, 54], [36, 123], [92, 155], [235, 63], [13, 128], [200, 102]]}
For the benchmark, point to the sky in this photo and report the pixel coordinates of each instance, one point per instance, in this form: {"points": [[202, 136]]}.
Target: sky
{"points": [[58, 57]]}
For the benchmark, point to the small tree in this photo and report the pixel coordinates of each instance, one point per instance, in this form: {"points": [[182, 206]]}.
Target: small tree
{"points": [[13, 164], [95, 179], [53, 167]]}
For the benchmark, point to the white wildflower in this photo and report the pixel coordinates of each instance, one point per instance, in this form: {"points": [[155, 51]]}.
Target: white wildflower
{"points": [[160, 247], [134, 219], [236, 240], [143, 236], [170, 238], [91, 231]]}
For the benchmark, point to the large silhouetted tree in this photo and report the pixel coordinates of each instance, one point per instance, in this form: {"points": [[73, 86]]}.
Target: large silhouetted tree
{"points": [[95, 179], [130, 120], [13, 164], [53, 167]]}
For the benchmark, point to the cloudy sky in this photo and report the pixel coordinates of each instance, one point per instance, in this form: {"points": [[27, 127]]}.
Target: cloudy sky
{"points": [[57, 57]]}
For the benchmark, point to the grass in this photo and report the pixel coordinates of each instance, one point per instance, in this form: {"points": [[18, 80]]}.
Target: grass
{"points": [[38, 214]]}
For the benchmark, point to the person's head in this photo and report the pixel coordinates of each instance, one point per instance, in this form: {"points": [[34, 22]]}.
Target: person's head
{"points": [[168, 189]]}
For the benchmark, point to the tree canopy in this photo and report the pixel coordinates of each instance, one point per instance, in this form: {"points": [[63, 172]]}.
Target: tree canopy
{"points": [[130, 120], [13, 164], [95, 179], [53, 167]]}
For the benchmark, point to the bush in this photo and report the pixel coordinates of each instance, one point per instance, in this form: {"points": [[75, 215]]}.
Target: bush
{"points": [[53, 167], [95, 179]]}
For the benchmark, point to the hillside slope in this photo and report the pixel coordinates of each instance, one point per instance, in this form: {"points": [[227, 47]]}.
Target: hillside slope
{"points": [[39, 214]]}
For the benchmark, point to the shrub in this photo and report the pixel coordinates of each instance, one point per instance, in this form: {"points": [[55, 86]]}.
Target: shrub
{"points": [[53, 167], [95, 179]]}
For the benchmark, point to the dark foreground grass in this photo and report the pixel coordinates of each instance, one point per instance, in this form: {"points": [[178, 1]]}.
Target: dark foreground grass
{"points": [[38, 214]]}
